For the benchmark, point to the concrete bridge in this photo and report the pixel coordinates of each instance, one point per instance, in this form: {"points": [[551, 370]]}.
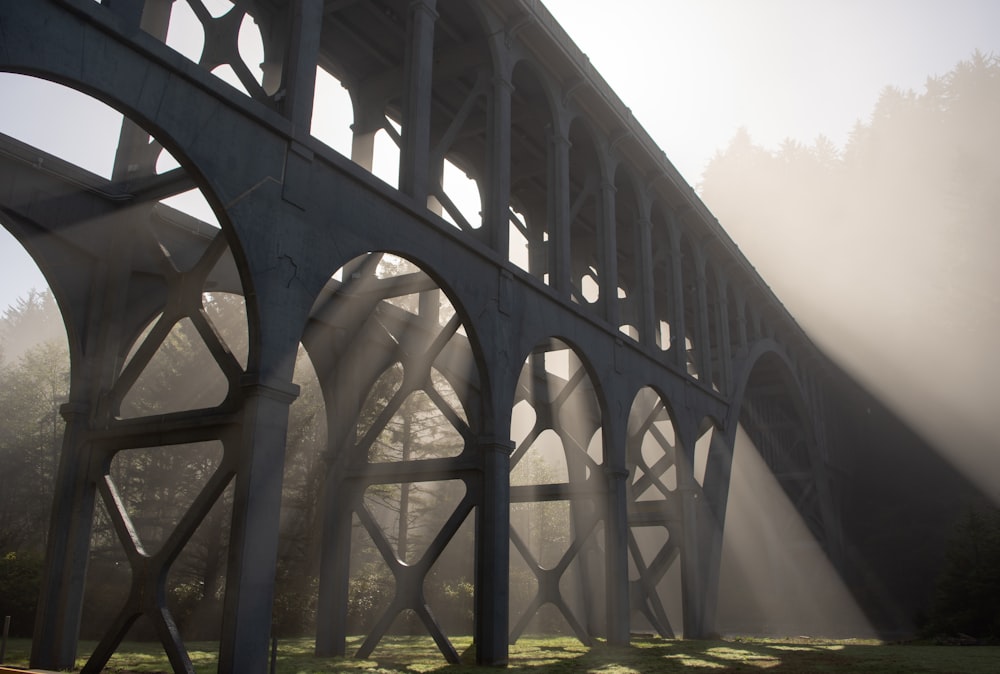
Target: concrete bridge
{"points": [[588, 310]]}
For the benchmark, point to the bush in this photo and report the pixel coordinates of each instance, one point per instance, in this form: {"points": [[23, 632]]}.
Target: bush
{"points": [[20, 580], [967, 599]]}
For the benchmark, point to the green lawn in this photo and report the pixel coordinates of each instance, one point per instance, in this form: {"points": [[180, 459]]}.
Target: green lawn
{"points": [[534, 655]]}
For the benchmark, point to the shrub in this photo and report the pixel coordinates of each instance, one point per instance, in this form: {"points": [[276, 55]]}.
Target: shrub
{"points": [[20, 580], [967, 598]]}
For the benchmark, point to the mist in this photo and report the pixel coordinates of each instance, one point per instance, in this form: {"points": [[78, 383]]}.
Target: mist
{"points": [[883, 250], [775, 578]]}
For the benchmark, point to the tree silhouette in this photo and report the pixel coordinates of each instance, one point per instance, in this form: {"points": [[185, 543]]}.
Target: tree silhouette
{"points": [[884, 252], [967, 600]]}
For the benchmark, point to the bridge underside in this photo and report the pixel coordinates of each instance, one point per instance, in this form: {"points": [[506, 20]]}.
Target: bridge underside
{"points": [[544, 386]]}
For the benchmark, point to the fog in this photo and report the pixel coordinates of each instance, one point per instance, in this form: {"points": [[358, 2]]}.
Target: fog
{"points": [[776, 578], [884, 251]]}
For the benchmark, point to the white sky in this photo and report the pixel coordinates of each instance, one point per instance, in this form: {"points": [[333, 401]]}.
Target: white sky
{"points": [[694, 71]]}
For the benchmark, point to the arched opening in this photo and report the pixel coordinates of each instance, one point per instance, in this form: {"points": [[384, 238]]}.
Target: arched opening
{"points": [[663, 279], [654, 460], [778, 573], [459, 133], [585, 215], [333, 112], [401, 391], [556, 488], [718, 348], [149, 291], [531, 202], [627, 247], [34, 353], [694, 327]]}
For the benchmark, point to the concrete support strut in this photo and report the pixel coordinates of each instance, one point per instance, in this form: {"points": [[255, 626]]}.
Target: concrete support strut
{"points": [[253, 543], [492, 555]]}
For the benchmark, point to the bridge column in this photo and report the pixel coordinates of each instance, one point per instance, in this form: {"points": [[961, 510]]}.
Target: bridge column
{"points": [[491, 630], [725, 349], [691, 564], [616, 530], [704, 347], [130, 13], [414, 151], [135, 154], [675, 283], [560, 274], [253, 543], [496, 217], [368, 120], [647, 286], [756, 325], [302, 53], [335, 568], [492, 603], [57, 622], [742, 342], [712, 514], [607, 252]]}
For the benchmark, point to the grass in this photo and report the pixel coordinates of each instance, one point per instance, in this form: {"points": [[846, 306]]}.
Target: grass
{"points": [[534, 655]]}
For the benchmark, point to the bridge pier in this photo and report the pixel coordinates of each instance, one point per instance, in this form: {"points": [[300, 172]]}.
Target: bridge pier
{"points": [[253, 543], [492, 555]]}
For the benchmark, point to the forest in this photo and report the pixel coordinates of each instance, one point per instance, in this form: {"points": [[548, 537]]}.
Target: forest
{"points": [[884, 251], [909, 210]]}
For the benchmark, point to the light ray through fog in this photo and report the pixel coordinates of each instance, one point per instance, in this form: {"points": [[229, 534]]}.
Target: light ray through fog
{"points": [[775, 578]]}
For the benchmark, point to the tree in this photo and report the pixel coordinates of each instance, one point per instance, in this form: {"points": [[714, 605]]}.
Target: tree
{"points": [[884, 253], [31, 320], [20, 576], [967, 600], [31, 391]]}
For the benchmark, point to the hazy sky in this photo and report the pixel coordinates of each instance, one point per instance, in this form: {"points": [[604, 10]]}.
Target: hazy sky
{"points": [[693, 72]]}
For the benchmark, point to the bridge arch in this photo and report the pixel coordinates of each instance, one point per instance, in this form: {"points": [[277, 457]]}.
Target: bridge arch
{"points": [[772, 406], [586, 183], [132, 175], [404, 413], [132, 272], [153, 101], [770, 354], [665, 287], [695, 320], [532, 192], [655, 461], [557, 473], [627, 219]]}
